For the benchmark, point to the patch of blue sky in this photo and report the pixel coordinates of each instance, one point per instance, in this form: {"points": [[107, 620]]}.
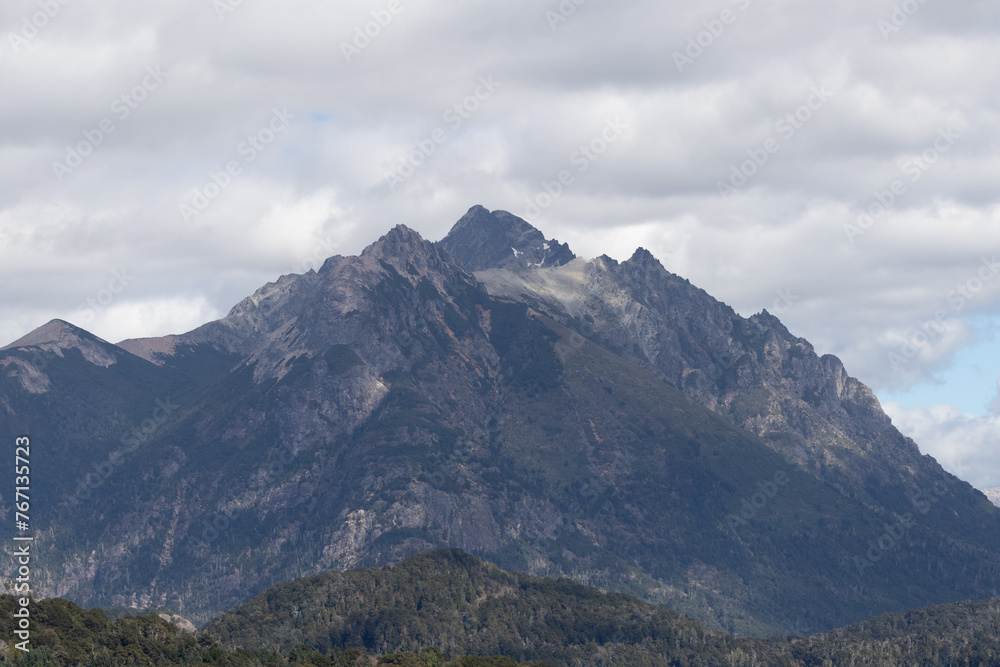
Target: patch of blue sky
{"points": [[970, 383]]}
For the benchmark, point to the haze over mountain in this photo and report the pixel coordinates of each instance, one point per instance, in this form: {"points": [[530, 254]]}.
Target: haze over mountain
{"points": [[602, 420]]}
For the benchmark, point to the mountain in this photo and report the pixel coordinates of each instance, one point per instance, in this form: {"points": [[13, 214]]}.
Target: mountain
{"points": [[993, 495], [598, 420]]}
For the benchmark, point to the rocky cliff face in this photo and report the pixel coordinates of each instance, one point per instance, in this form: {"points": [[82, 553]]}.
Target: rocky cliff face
{"points": [[752, 370], [588, 418]]}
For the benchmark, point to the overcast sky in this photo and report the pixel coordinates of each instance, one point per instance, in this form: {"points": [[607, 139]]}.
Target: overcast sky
{"points": [[836, 163]]}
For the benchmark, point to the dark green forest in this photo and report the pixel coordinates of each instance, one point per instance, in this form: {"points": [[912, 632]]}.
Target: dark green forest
{"points": [[448, 609], [64, 634]]}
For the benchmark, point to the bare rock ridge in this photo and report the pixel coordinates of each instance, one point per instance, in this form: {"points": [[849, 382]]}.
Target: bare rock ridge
{"points": [[248, 323], [254, 319], [752, 370]]}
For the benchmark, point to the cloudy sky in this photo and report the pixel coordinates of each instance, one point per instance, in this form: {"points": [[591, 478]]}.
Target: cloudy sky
{"points": [[835, 163]]}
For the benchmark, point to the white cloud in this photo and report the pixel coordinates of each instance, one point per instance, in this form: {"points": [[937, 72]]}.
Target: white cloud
{"points": [[135, 319], [967, 446]]}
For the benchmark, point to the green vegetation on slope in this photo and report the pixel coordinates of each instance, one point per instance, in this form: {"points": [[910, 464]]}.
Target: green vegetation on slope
{"points": [[63, 634], [449, 599]]}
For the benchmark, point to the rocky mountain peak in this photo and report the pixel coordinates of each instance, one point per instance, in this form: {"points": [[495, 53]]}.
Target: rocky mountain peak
{"points": [[58, 335], [608, 260], [643, 256], [767, 320], [483, 240], [396, 242], [53, 332], [411, 255], [404, 246]]}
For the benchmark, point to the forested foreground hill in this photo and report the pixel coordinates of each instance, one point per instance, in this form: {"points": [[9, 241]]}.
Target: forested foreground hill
{"points": [[451, 600], [430, 606], [63, 634]]}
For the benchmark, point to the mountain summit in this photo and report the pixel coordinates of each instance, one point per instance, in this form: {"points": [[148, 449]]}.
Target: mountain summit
{"points": [[58, 335], [483, 240], [53, 340]]}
